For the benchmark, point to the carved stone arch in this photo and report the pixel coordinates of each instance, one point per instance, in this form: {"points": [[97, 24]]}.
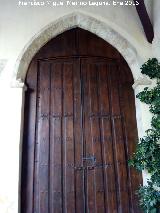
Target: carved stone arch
{"points": [[65, 23]]}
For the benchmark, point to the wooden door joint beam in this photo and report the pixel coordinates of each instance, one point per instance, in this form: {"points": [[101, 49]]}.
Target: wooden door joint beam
{"points": [[145, 20]]}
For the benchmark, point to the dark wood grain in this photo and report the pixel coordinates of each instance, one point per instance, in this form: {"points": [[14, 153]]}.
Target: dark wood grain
{"points": [[80, 129], [145, 20], [28, 151]]}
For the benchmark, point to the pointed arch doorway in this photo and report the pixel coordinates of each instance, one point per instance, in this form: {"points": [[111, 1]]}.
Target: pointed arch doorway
{"points": [[79, 129]]}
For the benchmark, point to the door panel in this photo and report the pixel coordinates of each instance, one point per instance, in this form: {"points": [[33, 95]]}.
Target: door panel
{"points": [[56, 200], [97, 114], [119, 142], [79, 132]]}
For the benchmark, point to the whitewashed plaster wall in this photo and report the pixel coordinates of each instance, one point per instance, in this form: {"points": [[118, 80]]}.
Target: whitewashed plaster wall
{"points": [[156, 22], [18, 26], [24, 22]]}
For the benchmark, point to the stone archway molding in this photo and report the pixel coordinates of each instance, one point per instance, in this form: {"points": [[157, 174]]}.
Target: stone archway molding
{"points": [[59, 26], [67, 22]]}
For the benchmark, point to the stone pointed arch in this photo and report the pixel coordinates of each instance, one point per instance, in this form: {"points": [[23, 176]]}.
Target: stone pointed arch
{"points": [[86, 22], [65, 23]]}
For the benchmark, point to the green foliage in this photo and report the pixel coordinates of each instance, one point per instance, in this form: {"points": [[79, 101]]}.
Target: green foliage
{"points": [[156, 122], [151, 68], [149, 198], [151, 97], [147, 155]]}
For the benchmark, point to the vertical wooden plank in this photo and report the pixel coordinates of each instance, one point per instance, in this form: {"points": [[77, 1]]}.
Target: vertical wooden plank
{"points": [[109, 170], [119, 144], [42, 140], [106, 139], [56, 139], [95, 118], [68, 139], [88, 146], [78, 139], [28, 146], [131, 139], [131, 136]]}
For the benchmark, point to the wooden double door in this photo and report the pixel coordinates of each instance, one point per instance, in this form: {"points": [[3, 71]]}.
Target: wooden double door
{"points": [[79, 132]]}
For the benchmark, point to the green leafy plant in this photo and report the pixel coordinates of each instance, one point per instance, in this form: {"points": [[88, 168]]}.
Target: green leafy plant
{"points": [[151, 97], [151, 68], [149, 198], [147, 155]]}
